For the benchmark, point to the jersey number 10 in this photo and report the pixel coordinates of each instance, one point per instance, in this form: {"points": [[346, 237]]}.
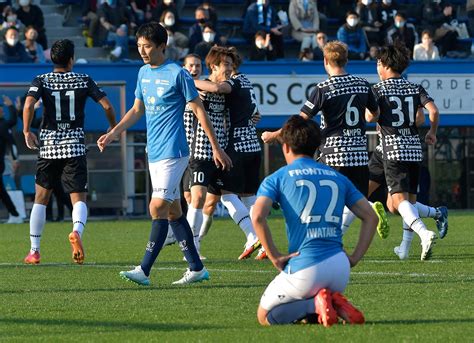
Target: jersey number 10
{"points": [[57, 101]]}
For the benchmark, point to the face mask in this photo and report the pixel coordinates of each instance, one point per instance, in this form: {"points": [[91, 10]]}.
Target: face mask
{"points": [[399, 24], [208, 37], [169, 21], [366, 2], [260, 44], [12, 41], [11, 18], [24, 2], [352, 22]]}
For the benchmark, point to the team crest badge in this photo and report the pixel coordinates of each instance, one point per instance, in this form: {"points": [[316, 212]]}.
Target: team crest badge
{"points": [[160, 91]]}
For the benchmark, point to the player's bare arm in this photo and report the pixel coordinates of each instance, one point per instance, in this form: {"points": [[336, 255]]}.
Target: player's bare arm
{"points": [[372, 117], [366, 214], [220, 157], [209, 86], [130, 118], [109, 112], [433, 111], [28, 113], [260, 212], [420, 117], [271, 137]]}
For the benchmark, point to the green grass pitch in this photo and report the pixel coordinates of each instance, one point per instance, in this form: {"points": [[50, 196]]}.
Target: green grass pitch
{"points": [[409, 301]]}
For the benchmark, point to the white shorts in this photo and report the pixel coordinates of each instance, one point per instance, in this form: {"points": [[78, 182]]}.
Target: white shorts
{"points": [[166, 176], [332, 273]]}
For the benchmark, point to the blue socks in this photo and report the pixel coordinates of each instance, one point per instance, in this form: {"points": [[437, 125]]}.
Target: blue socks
{"points": [[291, 312], [184, 236], [159, 230]]}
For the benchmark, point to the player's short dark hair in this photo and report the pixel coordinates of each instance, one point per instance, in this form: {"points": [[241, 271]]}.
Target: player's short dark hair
{"points": [[216, 55], [153, 32], [61, 52], [236, 58], [395, 57], [301, 135], [193, 55]]}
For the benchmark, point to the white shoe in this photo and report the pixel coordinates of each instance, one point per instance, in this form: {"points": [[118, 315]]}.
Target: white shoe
{"points": [[190, 277], [15, 219], [402, 254], [427, 243], [170, 238], [136, 275]]}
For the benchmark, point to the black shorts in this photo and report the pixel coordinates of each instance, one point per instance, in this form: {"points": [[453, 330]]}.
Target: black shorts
{"points": [[186, 181], [71, 171], [359, 176], [401, 176], [203, 173], [244, 176], [376, 171]]}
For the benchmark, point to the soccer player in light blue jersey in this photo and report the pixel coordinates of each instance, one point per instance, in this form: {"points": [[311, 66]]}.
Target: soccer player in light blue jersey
{"points": [[316, 270], [163, 89]]}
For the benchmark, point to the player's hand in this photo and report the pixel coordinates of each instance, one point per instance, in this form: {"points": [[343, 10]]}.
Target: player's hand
{"points": [[221, 159], [31, 140], [281, 261], [104, 140], [269, 137], [430, 138]]}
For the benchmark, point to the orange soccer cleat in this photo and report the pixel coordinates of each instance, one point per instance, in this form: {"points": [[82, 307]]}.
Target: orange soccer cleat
{"points": [[77, 249], [327, 315], [249, 249], [348, 312], [32, 258]]}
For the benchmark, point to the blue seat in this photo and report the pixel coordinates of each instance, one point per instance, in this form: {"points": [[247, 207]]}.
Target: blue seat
{"points": [[27, 184], [9, 182]]}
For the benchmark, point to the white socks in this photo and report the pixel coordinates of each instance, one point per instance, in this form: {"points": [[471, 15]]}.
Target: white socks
{"points": [[426, 211], [407, 238], [347, 218], [249, 202], [411, 216], [240, 214], [37, 220], [206, 224], [195, 218], [79, 217]]}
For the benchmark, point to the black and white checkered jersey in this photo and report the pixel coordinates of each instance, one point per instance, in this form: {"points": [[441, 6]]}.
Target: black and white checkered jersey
{"points": [[342, 100], [242, 105], [64, 97], [188, 124], [399, 100], [215, 106]]}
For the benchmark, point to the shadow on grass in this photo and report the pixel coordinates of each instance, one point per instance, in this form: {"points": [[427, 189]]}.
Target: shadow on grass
{"points": [[420, 321], [118, 325]]}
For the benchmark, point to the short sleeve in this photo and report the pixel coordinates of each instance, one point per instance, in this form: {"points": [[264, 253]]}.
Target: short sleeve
{"points": [[186, 86], [36, 89], [94, 91], [352, 193], [372, 104], [269, 188], [234, 84], [138, 89], [314, 104], [424, 96]]}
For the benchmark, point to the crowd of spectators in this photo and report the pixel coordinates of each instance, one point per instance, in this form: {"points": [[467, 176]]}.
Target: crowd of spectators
{"points": [[431, 29]]}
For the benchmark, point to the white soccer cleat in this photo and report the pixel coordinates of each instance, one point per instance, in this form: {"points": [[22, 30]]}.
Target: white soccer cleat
{"points": [[427, 243], [136, 275], [402, 254], [15, 219], [191, 277]]}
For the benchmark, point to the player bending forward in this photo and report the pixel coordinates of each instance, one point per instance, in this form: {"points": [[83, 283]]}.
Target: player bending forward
{"points": [[312, 196]]}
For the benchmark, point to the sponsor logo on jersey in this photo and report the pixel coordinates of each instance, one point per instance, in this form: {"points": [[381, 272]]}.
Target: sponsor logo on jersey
{"points": [[33, 89], [309, 104]]}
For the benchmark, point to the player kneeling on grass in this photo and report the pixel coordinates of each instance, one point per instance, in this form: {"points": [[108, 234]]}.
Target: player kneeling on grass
{"points": [[312, 196]]}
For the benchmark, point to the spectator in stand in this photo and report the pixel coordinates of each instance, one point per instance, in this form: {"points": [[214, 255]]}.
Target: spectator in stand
{"points": [[426, 50], [141, 10], [195, 32], [32, 47], [373, 53], [403, 32], [306, 55], [168, 21], [262, 49], [387, 9], [12, 50], [4, 4], [172, 52], [91, 19], [470, 16], [304, 19], [164, 5], [30, 14], [261, 16], [369, 20], [10, 19], [437, 19], [212, 12], [352, 34], [321, 40], [112, 15], [208, 41]]}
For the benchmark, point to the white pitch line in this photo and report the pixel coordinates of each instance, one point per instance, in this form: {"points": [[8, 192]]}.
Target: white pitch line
{"points": [[113, 266]]}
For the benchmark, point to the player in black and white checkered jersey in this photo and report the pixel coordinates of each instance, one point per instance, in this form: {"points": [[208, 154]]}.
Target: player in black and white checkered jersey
{"points": [[243, 147], [62, 152], [399, 101]]}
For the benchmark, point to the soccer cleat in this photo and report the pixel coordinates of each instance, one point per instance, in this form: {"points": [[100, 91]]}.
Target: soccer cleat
{"points": [[191, 277], [427, 243], [249, 249], [402, 254], [442, 221], [136, 275], [327, 315], [348, 312], [77, 249], [15, 219], [32, 258], [262, 254], [383, 228]]}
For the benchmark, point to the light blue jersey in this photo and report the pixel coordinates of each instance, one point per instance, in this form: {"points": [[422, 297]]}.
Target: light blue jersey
{"points": [[165, 91], [312, 197]]}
